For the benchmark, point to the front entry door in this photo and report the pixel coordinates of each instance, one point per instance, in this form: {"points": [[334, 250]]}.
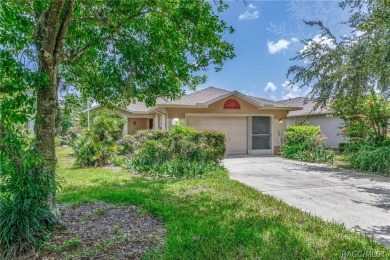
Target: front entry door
{"points": [[261, 142]]}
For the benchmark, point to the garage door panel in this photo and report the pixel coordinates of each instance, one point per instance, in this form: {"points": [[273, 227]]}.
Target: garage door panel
{"points": [[235, 129]]}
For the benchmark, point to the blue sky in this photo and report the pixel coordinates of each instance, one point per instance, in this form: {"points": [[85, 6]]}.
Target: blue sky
{"points": [[267, 34]]}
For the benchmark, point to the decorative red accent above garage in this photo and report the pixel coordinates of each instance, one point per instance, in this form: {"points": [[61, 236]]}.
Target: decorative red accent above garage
{"points": [[231, 104]]}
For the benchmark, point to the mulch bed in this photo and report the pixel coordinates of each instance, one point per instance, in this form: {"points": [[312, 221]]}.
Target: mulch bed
{"points": [[103, 231]]}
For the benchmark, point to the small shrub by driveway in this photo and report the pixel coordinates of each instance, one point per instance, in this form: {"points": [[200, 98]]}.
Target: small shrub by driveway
{"points": [[371, 159], [304, 143]]}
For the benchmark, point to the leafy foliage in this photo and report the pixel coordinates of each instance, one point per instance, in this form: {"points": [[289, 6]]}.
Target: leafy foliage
{"points": [[126, 144], [371, 159], [367, 121], [69, 114], [347, 66], [96, 146], [304, 142], [377, 115], [111, 51], [181, 152], [24, 215]]}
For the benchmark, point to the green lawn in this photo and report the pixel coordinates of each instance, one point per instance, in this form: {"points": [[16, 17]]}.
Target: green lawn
{"points": [[215, 217]]}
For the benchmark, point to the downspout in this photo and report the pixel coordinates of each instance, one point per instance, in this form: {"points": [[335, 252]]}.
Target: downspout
{"points": [[166, 118]]}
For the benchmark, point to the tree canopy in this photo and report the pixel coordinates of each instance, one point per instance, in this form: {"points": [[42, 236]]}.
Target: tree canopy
{"points": [[112, 51], [335, 67], [115, 51]]}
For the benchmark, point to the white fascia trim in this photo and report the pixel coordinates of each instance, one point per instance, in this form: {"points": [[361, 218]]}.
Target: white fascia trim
{"points": [[310, 114], [282, 108], [197, 105]]}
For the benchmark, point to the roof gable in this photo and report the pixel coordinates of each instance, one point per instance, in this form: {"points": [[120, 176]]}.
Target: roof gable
{"points": [[205, 97]]}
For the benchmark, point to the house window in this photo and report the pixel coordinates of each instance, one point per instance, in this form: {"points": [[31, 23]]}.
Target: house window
{"points": [[150, 123], [231, 104]]}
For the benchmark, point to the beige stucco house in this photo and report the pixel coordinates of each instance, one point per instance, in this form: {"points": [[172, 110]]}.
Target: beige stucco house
{"points": [[330, 125], [252, 125]]}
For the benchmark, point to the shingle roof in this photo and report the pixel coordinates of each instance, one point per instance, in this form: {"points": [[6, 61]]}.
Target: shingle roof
{"points": [[207, 95], [138, 107], [308, 107], [199, 97]]}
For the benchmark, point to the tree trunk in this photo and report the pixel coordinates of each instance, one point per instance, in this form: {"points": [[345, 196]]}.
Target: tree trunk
{"points": [[52, 27], [45, 132]]}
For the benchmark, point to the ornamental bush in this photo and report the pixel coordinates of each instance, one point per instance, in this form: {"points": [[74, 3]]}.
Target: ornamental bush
{"points": [[98, 145], [180, 152], [304, 143], [126, 144], [300, 134], [371, 159]]}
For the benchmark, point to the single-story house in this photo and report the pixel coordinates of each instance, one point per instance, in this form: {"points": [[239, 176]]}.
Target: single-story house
{"points": [[330, 125], [252, 125]]}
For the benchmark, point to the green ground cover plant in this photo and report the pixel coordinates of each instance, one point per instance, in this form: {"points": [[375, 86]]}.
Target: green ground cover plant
{"points": [[371, 159]]}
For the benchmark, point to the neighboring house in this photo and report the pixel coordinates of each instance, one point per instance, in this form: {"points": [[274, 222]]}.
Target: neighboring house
{"points": [[252, 125], [330, 126]]}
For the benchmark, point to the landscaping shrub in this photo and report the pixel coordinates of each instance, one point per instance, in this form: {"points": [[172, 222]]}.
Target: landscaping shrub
{"points": [[371, 159], [180, 152], [90, 151], [24, 214], [144, 135], [304, 142], [126, 144], [97, 146], [300, 134]]}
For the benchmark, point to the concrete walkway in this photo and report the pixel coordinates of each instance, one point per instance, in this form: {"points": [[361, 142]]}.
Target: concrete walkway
{"points": [[360, 201]]}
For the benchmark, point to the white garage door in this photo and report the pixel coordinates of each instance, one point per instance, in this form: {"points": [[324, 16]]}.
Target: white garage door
{"points": [[235, 128]]}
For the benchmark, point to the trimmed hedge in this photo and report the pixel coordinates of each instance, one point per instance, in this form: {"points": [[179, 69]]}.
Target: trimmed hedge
{"points": [[305, 143], [300, 134]]}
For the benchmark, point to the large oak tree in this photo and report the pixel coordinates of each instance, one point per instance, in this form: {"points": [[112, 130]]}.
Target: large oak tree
{"points": [[112, 51]]}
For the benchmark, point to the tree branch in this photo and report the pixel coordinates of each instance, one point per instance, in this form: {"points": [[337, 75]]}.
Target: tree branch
{"points": [[59, 47], [78, 53], [51, 23], [114, 31], [35, 15]]}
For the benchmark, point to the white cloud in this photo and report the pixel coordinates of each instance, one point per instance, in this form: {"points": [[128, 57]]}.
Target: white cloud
{"points": [[323, 40], [291, 90], [251, 14], [273, 98], [251, 6], [270, 87], [278, 46], [248, 92], [359, 33], [293, 39]]}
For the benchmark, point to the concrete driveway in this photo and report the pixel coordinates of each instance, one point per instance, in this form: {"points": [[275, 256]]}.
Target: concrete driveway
{"points": [[360, 201]]}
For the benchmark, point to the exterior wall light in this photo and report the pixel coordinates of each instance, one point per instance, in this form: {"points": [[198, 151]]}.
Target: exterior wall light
{"points": [[175, 121]]}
